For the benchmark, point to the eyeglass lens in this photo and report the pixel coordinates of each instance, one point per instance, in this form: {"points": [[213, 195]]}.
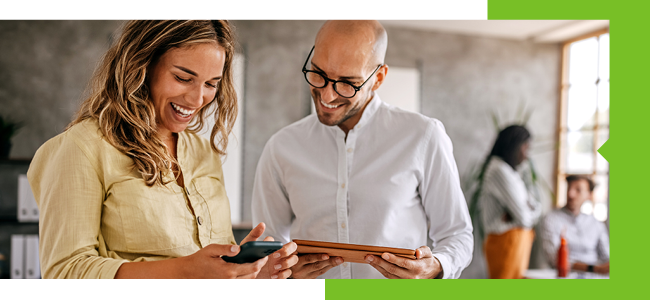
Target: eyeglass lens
{"points": [[317, 80]]}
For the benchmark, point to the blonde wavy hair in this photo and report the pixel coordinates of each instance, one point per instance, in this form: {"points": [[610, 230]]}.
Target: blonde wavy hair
{"points": [[120, 99]]}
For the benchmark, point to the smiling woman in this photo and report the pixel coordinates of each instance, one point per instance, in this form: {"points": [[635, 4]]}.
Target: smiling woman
{"points": [[183, 81], [123, 98], [129, 190]]}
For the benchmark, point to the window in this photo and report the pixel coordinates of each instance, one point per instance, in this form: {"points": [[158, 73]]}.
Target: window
{"points": [[584, 119], [402, 88]]}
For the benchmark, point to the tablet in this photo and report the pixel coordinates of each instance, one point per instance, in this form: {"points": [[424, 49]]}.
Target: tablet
{"points": [[349, 252]]}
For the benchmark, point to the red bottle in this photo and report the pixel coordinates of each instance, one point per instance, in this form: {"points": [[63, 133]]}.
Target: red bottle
{"points": [[563, 259]]}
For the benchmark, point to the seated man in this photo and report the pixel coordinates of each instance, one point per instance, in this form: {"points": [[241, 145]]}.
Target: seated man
{"points": [[588, 239]]}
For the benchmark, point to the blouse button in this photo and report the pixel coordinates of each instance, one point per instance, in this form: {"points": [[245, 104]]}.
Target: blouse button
{"points": [[198, 219]]}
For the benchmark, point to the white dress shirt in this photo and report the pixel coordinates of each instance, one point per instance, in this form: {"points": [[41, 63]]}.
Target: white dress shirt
{"points": [[389, 184], [587, 238], [505, 191]]}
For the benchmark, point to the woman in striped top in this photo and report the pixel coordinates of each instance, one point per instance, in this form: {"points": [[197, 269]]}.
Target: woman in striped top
{"points": [[508, 208]]}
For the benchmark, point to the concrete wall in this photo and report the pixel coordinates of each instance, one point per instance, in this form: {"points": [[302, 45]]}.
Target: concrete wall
{"points": [[46, 66]]}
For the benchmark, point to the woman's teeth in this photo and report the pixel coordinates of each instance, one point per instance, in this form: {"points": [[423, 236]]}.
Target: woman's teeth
{"points": [[183, 112], [329, 106]]}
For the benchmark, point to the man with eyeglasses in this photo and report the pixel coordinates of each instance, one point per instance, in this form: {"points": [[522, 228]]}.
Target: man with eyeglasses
{"points": [[361, 171]]}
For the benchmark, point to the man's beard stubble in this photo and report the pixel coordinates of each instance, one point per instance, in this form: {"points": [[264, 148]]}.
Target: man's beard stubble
{"points": [[349, 114]]}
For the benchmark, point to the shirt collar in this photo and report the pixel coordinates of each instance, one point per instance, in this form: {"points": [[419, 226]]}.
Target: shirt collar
{"points": [[570, 214], [372, 107], [181, 153], [502, 163], [370, 110]]}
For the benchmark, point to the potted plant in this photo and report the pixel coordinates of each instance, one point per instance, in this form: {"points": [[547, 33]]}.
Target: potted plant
{"points": [[7, 130]]}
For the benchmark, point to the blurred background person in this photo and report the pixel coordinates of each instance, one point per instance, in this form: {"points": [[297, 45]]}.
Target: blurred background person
{"points": [[508, 208], [588, 239]]}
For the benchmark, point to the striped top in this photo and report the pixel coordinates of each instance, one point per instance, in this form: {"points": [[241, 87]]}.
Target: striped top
{"points": [[504, 191]]}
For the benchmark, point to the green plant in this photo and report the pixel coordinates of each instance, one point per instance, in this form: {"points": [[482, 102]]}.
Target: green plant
{"points": [[8, 129]]}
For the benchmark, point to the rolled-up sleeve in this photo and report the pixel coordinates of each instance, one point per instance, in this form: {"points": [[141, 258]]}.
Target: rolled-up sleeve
{"points": [[602, 248], [450, 226], [70, 195]]}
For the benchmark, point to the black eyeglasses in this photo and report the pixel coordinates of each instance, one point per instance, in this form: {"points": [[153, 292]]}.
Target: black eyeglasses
{"points": [[319, 80]]}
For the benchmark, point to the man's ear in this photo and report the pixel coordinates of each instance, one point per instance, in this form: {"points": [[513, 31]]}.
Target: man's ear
{"points": [[381, 75]]}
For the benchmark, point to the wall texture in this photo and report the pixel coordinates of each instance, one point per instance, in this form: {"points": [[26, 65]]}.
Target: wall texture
{"points": [[46, 66]]}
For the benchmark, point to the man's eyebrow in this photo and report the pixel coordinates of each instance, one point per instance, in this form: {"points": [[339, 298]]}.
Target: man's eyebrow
{"points": [[188, 71], [348, 78]]}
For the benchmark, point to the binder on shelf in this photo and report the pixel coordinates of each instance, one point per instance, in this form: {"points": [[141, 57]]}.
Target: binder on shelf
{"points": [[32, 265], [27, 208], [17, 256], [24, 256]]}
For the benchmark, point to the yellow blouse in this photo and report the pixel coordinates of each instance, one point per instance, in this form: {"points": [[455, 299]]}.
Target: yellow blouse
{"points": [[96, 211]]}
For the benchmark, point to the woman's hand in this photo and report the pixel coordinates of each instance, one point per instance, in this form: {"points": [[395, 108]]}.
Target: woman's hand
{"points": [[207, 263], [279, 262]]}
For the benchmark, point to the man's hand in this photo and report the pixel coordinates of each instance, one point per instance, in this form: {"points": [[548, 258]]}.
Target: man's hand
{"points": [[314, 265], [602, 268], [582, 267], [425, 266]]}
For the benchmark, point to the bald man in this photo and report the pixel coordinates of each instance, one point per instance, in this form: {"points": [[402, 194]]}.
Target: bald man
{"points": [[361, 171]]}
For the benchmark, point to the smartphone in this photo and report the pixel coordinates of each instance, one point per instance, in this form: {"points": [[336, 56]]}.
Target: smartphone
{"points": [[252, 251]]}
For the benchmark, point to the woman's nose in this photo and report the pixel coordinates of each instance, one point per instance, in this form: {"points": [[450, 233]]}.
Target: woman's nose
{"points": [[196, 97]]}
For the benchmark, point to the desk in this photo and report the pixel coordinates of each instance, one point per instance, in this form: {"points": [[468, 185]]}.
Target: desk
{"points": [[552, 274]]}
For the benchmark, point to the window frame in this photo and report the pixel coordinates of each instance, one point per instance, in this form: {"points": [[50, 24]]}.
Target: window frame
{"points": [[562, 129]]}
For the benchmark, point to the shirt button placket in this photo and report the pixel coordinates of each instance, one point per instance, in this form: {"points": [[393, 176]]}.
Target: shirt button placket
{"points": [[349, 158], [204, 230]]}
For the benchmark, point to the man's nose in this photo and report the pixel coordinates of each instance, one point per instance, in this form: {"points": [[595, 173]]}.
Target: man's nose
{"points": [[571, 194], [328, 94]]}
